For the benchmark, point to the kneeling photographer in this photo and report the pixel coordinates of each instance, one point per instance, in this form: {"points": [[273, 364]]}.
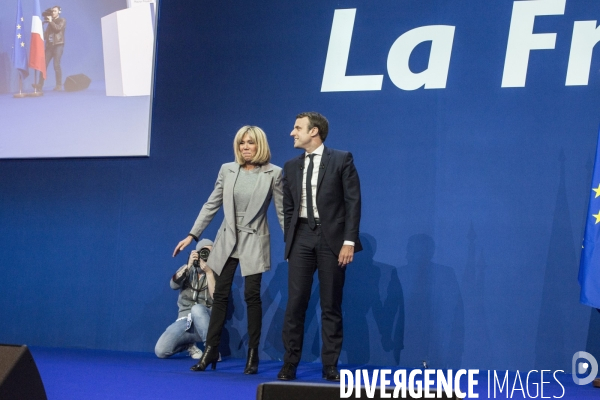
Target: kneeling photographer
{"points": [[196, 283]]}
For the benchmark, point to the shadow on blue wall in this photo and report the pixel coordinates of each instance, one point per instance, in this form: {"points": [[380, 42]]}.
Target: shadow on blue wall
{"points": [[363, 305], [560, 308], [473, 284], [430, 327]]}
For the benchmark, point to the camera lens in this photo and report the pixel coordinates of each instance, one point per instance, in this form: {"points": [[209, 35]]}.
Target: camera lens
{"points": [[204, 253]]}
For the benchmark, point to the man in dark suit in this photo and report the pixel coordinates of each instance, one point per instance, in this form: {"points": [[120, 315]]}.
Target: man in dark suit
{"points": [[321, 205]]}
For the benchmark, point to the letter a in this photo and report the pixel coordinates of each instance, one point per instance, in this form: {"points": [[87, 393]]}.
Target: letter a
{"points": [[436, 74]]}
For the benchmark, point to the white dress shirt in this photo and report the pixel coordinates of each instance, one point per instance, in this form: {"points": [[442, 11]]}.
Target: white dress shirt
{"points": [[318, 155]]}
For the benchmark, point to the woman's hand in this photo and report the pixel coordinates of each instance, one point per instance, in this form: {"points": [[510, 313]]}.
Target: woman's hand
{"points": [[182, 245]]}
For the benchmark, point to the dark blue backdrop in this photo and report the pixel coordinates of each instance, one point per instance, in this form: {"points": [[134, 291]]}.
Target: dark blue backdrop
{"points": [[474, 195]]}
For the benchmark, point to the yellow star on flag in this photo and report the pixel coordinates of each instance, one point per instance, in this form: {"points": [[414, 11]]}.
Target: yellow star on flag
{"points": [[597, 216], [19, 36], [18, 26], [597, 190], [21, 19], [22, 44]]}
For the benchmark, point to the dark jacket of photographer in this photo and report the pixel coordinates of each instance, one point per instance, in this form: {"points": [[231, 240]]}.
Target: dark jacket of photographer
{"points": [[193, 290], [55, 31]]}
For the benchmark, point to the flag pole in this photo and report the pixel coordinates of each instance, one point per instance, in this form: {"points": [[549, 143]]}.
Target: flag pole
{"points": [[20, 94], [35, 91]]}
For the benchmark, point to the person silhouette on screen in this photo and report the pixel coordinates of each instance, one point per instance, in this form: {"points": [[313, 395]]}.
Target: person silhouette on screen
{"points": [[54, 37]]}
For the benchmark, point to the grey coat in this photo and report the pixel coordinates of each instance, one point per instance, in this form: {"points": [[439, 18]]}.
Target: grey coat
{"points": [[251, 235]]}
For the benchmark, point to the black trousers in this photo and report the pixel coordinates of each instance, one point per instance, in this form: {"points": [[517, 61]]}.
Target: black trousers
{"points": [[54, 52], [310, 253], [221, 299]]}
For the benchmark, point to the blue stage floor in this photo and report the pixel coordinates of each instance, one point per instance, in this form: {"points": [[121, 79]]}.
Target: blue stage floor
{"points": [[70, 374], [86, 123], [94, 374]]}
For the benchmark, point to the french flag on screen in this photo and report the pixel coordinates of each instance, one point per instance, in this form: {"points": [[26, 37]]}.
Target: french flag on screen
{"points": [[37, 57]]}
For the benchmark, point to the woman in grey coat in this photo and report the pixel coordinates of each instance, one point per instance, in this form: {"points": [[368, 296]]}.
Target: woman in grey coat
{"points": [[244, 188]]}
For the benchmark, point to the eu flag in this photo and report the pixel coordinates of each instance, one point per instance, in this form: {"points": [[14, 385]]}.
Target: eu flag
{"points": [[589, 266], [19, 50]]}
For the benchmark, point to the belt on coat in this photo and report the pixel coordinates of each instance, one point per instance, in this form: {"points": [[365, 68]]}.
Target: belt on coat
{"points": [[245, 229]]}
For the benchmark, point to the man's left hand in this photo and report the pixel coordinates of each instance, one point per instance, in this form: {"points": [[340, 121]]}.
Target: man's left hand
{"points": [[346, 255]]}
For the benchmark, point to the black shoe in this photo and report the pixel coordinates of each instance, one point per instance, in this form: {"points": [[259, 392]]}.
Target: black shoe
{"points": [[331, 373], [57, 88], [287, 373], [210, 356], [252, 362], [37, 87]]}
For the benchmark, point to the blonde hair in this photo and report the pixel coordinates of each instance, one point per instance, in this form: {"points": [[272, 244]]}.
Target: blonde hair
{"points": [[263, 153]]}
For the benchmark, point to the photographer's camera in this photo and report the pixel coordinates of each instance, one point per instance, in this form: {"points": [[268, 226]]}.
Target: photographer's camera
{"points": [[202, 255]]}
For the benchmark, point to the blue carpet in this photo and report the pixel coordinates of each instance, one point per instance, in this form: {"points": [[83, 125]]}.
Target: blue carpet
{"points": [[94, 374], [70, 374]]}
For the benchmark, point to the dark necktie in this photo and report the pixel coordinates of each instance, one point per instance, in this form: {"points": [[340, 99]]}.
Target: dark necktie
{"points": [[309, 200]]}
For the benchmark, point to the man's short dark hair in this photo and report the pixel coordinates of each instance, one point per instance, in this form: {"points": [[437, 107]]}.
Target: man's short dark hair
{"points": [[316, 120]]}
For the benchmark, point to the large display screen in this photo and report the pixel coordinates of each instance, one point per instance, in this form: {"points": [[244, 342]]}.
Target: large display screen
{"points": [[96, 98]]}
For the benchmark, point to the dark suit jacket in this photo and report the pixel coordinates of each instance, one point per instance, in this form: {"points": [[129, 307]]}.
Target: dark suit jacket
{"points": [[338, 199]]}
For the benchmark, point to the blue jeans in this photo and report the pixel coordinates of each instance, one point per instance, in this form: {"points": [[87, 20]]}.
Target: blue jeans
{"points": [[176, 339]]}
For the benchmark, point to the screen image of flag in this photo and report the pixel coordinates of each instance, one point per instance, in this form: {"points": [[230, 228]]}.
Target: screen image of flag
{"points": [[19, 49], [589, 267], [37, 57]]}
